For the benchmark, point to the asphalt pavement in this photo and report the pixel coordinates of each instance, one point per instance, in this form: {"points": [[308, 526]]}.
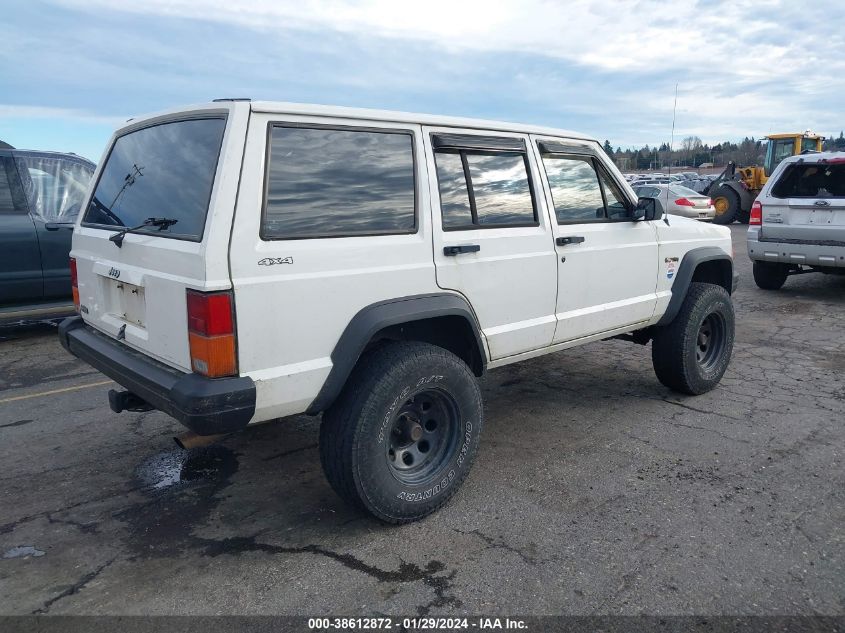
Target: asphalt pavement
{"points": [[596, 491]]}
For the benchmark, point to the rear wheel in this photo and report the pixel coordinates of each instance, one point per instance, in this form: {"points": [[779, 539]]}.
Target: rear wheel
{"points": [[401, 438], [770, 275], [727, 204], [691, 354]]}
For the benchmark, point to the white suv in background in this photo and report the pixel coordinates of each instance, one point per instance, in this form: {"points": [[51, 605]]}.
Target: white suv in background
{"points": [[797, 223], [237, 262]]}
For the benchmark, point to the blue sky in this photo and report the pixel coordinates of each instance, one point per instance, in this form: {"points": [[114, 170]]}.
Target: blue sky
{"points": [[73, 70]]}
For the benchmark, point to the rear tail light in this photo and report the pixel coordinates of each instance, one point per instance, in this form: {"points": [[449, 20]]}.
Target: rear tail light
{"points": [[683, 202], [709, 202], [74, 284], [211, 333], [756, 217]]}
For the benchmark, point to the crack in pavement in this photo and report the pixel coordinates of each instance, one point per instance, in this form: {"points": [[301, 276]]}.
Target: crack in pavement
{"points": [[16, 423], [691, 408], [75, 588], [493, 543], [406, 573], [87, 528], [291, 452], [5, 528]]}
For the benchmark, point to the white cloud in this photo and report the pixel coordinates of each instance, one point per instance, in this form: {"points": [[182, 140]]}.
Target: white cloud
{"points": [[9, 111], [637, 35], [743, 68]]}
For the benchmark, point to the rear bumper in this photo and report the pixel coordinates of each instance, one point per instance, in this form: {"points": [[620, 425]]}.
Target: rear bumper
{"points": [[802, 252], [206, 406]]}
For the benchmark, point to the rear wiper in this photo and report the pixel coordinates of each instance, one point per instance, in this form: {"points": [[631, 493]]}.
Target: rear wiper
{"points": [[161, 223]]}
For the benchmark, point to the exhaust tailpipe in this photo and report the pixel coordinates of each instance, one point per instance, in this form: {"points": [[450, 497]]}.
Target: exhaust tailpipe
{"points": [[189, 440]]}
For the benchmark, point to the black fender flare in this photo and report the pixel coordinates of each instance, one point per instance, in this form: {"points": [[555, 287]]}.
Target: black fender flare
{"points": [[683, 278], [378, 316]]}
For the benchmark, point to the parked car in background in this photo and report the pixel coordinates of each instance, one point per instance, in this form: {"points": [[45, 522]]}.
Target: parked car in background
{"points": [[797, 222], [650, 181], [40, 197], [678, 200]]}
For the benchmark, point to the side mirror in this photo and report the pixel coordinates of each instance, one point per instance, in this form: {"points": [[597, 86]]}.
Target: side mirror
{"points": [[647, 209]]}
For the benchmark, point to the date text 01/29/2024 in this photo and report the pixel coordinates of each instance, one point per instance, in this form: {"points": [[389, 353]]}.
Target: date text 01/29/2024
{"points": [[421, 624]]}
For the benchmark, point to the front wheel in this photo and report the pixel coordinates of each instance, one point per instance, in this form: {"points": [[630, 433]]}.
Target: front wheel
{"points": [[401, 438], [727, 204], [691, 354]]}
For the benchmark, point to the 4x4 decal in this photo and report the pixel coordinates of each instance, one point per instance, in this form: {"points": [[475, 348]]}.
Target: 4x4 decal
{"points": [[272, 261]]}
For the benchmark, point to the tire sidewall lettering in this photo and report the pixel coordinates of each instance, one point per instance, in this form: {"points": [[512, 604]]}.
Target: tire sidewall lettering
{"points": [[375, 464]]}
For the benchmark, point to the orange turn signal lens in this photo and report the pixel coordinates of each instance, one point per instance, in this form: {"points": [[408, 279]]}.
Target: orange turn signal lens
{"points": [[74, 283], [213, 356]]}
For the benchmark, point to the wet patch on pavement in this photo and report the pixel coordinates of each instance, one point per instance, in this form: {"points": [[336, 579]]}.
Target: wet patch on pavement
{"points": [[178, 467], [23, 551]]}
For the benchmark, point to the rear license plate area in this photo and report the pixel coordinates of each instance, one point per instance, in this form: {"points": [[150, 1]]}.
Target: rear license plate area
{"points": [[127, 302], [820, 216]]}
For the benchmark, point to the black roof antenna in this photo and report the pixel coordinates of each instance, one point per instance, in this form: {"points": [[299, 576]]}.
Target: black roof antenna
{"points": [[671, 149]]}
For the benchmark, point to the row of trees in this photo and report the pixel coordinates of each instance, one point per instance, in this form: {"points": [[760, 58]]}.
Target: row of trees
{"points": [[693, 153]]}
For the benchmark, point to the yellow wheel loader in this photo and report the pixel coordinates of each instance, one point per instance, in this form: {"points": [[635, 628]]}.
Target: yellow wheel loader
{"points": [[734, 190]]}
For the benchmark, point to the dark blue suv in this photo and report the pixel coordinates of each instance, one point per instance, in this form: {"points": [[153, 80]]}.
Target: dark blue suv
{"points": [[40, 196]]}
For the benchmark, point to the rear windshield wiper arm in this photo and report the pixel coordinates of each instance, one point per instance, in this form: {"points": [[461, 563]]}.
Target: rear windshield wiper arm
{"points": [[161, 223]]}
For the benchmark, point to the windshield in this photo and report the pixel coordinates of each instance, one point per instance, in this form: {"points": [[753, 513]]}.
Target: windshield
{"points": [[162, 171]]}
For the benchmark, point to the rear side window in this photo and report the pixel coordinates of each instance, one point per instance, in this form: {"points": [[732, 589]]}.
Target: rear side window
{"points": [[55, 187], [484, 189], [814, 180], [338, 182], [162, 171]]}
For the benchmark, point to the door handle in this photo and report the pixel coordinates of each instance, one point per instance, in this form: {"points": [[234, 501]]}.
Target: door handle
{"points": [[569, 239], [451, 251]]}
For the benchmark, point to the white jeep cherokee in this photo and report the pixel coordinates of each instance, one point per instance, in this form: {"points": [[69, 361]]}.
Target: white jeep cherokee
{"points": [[240, 261]]}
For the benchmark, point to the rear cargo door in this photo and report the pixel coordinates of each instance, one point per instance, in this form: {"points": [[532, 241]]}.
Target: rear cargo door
{"points": [[183, 167], [807, 204]]}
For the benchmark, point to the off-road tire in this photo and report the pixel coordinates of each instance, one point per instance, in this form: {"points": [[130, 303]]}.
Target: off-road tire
{"points": [[387, 390], [680, 360], [733, 205], [770, 275]]}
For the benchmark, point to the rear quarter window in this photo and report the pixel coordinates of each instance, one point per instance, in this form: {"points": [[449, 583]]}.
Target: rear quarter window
{"points": [[813, 180], [162, 171], [332, 182]]}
